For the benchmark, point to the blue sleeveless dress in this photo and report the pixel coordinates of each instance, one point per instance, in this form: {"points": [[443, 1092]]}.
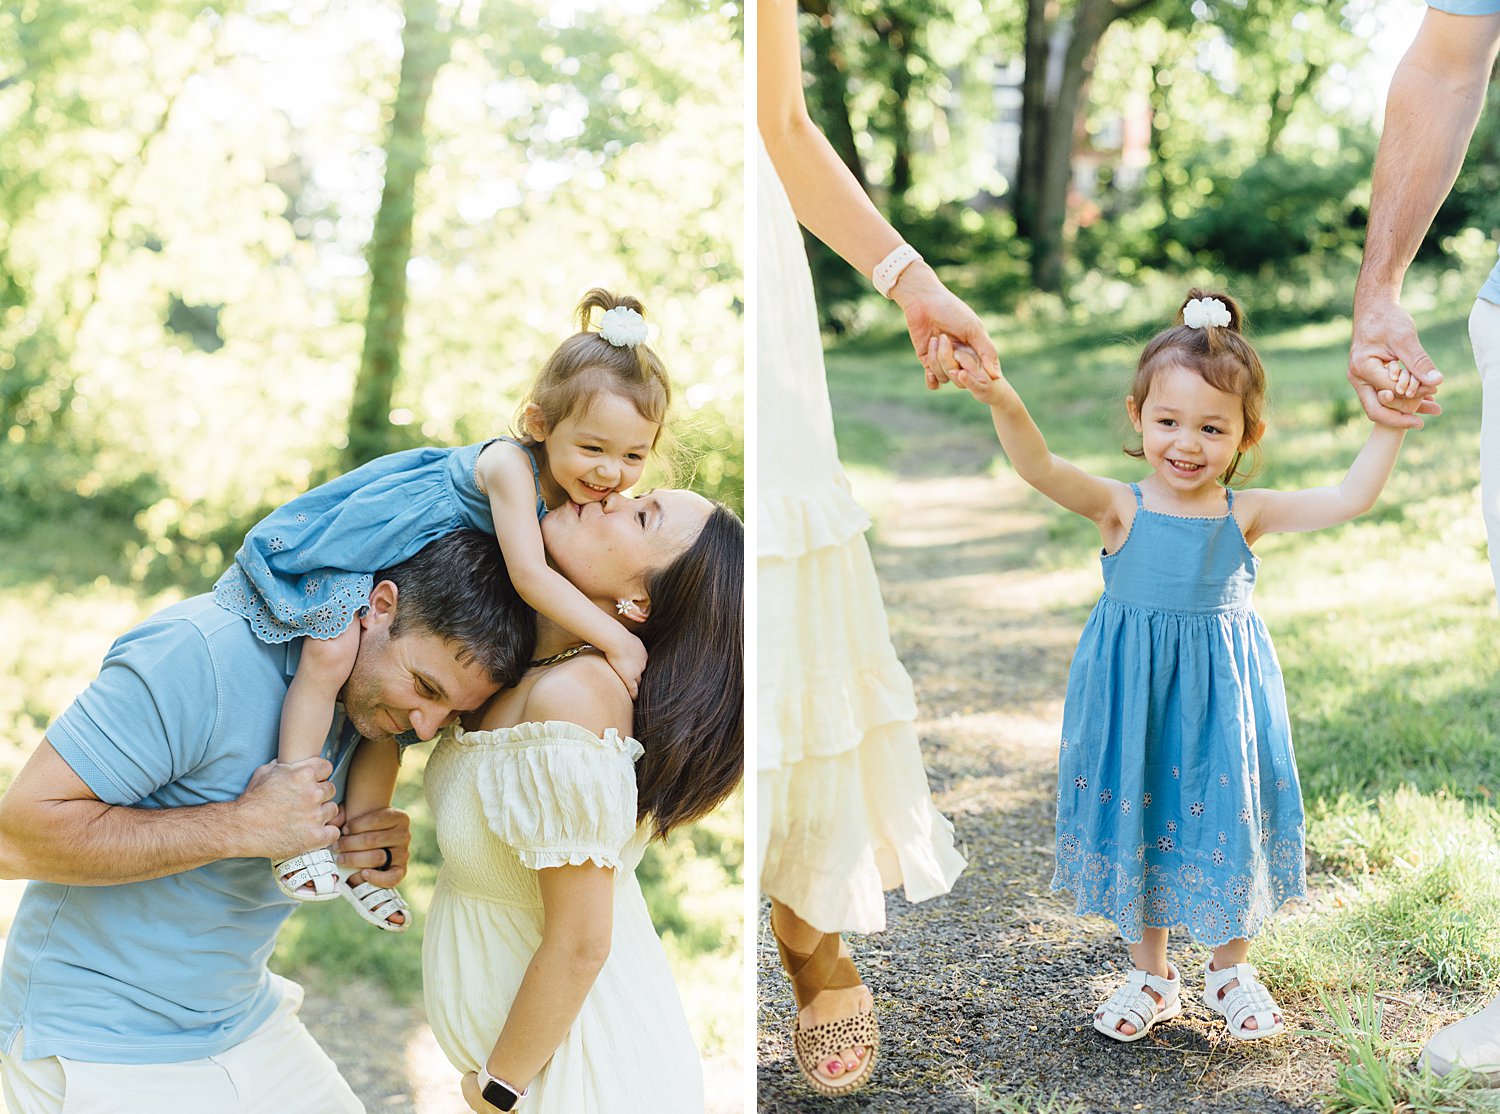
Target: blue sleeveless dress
{"points": [[306, 569], [1177, 799]]}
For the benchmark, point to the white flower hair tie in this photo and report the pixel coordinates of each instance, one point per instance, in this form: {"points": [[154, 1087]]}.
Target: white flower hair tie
{"points": [[623, 327], [1200, 312]]}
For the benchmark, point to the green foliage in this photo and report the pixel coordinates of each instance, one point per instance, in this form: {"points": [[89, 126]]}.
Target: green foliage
{"points": [[189, 194], [1280, 208]]}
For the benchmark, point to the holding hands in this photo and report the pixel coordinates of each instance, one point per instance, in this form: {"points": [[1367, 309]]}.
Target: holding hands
{"points": [[1388, 368], [933, 311]]}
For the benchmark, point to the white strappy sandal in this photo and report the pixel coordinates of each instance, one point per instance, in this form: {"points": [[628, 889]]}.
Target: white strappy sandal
{"points": [[376, 905], [315, 868], [1250, 999], [1131, 1003]]}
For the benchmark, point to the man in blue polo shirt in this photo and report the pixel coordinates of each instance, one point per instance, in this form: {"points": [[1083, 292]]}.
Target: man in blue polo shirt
{"points": [[135, 974], [1434, 104]]}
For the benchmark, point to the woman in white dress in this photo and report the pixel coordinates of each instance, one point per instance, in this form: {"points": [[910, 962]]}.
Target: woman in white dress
{"points": [[844, 808], [543, 976]]}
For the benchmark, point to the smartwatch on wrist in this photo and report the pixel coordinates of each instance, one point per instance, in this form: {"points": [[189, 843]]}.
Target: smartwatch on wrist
{"points": [[498, 1093]]}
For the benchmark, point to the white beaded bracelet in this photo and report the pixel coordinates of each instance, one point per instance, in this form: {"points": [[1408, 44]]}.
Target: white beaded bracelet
{"points": [[889, 269]]}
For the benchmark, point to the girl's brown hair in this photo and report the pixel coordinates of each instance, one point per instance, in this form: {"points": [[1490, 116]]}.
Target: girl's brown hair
{"points": [[690, 712], [1225, 360], [586, 363]]}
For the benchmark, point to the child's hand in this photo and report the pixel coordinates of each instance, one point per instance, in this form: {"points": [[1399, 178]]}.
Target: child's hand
{"points": [[962, 366], [627, 658], [1403, 395]]}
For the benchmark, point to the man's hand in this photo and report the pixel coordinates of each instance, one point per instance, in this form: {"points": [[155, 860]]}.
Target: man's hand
{"points": [[365, 841], [286, 808], [1384, 333]]}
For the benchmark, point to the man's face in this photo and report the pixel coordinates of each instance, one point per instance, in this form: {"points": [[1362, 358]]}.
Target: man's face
{"points": [[413, 682]]}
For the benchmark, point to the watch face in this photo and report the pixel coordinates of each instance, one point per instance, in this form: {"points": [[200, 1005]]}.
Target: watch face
{"points": [[500, 1096]]}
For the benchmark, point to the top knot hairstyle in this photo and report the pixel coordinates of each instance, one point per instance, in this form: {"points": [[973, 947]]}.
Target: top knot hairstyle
{"points": [[586, 364], [1218, 353]]}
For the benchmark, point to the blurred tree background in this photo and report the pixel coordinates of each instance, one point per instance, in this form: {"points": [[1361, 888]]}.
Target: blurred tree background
{"points": [[1040, 152], [245, 244]]}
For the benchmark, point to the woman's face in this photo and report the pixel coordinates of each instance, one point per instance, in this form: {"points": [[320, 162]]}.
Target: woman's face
{"points": [[608, 549]]}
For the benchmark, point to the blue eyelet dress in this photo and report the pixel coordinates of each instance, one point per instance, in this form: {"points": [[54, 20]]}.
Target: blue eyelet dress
{"points": [[306, 569], [1177, 799]]}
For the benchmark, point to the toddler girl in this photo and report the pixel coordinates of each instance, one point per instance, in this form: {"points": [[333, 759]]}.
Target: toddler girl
{"points": [[1178, 801], [589, 422]]}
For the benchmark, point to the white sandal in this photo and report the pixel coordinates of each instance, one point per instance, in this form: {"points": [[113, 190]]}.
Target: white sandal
{"points": [[1250, 999], [376, 905], [311, 867], [1131, 1003]]}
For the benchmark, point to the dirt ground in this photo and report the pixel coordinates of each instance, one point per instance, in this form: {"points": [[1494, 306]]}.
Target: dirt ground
{"points": [[989, 991]]}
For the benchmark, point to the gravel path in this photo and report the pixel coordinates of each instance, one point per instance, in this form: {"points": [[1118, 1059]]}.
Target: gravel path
{"points": [[988, 991]]}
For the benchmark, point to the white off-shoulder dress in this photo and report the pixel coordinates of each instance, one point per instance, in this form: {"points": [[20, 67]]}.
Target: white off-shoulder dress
{"points": [[507, 804], [844, 808]]}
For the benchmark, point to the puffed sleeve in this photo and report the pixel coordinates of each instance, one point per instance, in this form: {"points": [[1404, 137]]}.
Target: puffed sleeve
{"points": [[559, 795]]}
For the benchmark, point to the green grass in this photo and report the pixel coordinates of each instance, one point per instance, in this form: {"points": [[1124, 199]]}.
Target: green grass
{"points": [[1386, 630]]}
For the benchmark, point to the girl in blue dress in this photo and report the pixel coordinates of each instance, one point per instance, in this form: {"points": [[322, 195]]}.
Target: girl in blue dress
{"points": [[589, 422], [1178, 801]]}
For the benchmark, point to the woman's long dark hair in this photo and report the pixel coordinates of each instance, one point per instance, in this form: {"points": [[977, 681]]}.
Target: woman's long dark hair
{"points": [[690, 711]]}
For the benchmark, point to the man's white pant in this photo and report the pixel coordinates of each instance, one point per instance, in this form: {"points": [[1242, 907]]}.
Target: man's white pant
{"points": [[278, 1069], [1484, 334], [1474, 1042]]}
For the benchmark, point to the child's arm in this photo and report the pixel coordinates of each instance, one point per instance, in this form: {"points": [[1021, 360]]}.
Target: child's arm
{"points": [[1275, 512], [1066, 484], [506, 475]]}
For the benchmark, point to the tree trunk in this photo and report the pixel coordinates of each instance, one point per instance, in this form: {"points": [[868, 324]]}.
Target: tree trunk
{"points": [[1034, 113], [1042, 197], [424, 48], [896, 39], [830, 88]]}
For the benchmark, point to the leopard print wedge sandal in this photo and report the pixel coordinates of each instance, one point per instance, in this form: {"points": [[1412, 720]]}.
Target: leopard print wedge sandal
{"points": [[825, 968]]}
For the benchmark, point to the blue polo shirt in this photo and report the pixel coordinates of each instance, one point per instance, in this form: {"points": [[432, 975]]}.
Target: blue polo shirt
{"points": [[1490, 291], [185, 707]]}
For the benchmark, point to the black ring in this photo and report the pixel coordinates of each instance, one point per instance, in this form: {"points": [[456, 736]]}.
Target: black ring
{"points": [[387, 864]]}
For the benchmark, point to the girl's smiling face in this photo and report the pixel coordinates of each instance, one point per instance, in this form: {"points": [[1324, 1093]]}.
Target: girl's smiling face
{"points": [[1190, 431], [594, 452]]}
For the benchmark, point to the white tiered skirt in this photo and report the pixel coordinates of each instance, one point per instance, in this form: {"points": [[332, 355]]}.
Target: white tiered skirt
{"points": [[845, 812]]}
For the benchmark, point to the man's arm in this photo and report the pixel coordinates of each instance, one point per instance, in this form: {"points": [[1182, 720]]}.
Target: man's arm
{"points": [[54, 829], [1434, 103]]}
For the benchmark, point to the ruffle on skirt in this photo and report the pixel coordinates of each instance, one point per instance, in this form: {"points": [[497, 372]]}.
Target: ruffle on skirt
{"points": [[792, 524], [845, 811], [828, 673], [837, 832]]}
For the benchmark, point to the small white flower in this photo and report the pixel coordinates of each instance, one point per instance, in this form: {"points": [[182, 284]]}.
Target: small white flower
{"points": [[623, 327], [1200, 312]]}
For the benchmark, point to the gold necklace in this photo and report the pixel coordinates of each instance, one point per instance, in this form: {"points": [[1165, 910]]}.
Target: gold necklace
{"points": [[564, 656]]}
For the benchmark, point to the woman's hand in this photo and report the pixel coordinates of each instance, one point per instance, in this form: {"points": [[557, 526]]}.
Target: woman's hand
{"points": [[932, 310], [963, 368], [473, 1097]]}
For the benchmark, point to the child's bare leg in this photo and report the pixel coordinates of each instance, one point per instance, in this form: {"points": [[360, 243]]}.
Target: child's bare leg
{"points": [[306, 716], [1227, 955], [308, 711], [1150, 955], [372, 782]]}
